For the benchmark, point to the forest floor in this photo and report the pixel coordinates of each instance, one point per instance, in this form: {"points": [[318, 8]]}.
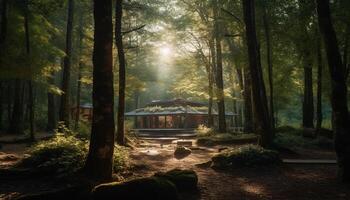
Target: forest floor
{"points": [[288, 181]]}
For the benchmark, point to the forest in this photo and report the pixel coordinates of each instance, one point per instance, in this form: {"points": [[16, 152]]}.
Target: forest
{"points": [[174, 99]]}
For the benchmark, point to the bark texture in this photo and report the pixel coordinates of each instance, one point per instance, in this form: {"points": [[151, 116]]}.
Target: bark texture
{"points": [[122, 64], [65, 98], [99, 163], [261, 114], [219, 78], [341, 125]]}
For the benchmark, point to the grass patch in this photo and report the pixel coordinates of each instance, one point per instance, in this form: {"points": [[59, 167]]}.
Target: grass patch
{"points": [[246, 156], [290, 137]]}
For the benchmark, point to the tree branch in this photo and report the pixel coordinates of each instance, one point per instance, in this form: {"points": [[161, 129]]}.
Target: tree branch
{"points": [[134, 29], [232, 15]]}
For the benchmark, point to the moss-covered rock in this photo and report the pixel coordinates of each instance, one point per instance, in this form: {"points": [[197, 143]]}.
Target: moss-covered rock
{"points": [[185, 180], [248, 155], [155, 188], [182, 152]]}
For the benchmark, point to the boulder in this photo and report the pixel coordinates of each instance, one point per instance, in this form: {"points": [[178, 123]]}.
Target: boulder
{"points": [[185, 180], [155, 188], [182, 152]]}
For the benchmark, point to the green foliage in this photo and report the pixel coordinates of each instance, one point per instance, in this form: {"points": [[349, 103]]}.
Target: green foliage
{"points": [[248, 155], [60, 155], [290, 137], [65, 154], [203, 131], [84, 130]]}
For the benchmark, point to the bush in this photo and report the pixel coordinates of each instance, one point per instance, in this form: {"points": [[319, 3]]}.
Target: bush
{"points": [[203, 131], [289, 137], [84, 130], [59, 155], [63, 155], [248, 155]]}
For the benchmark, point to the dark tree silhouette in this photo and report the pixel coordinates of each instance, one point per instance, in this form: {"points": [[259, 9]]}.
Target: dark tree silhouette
{"points": [[261, 114], [341, 125], [99, 162], [65, 104], [219, 79], [122, 63]]}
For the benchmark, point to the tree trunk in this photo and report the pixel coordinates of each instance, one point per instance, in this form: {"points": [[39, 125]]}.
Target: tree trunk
{"points": [[122, 64], [9, 102], [81, 36], [99, 163], [3, 25], [305, 53], [269, 64], [136, 104], [1, 104], [211, 72], [30, 83], [248, 106], [319, 116], [65, 98], [51, 108], [219, 78], [3, 31], [16, 122], [308, 105], [341, 126], [261, 114]]}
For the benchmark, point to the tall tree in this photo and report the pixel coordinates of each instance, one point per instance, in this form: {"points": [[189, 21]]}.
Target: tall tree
{"points": [[3, 31], [219, 79], [267, 30], [248, 106], [341, 125], [122, 65], [30, 82], [65, 100], [261, 114], [319, 115], [80, 68], [99, 163], [51, 107], [305, 53]]}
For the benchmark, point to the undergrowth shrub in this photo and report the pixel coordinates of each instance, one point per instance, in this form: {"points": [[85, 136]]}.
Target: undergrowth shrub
{"points": [[60, 155], [203, 131], [66, 154], [247, 155], [292, 138]]}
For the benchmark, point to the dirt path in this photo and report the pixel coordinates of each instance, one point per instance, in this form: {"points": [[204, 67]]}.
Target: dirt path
{"points": [[295, 182], [300, 182]]}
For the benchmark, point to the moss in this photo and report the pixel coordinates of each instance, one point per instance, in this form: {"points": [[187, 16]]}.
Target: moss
{"points": [[156, 188], [185, 180], [182, 152], [248, 155]]}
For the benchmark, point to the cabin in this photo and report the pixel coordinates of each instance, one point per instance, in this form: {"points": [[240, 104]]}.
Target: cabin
{"points": [[85, 111], [174, 114]]}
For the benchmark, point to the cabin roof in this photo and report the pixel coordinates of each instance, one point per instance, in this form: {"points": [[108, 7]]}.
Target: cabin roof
{"points": [[173, 107], [174, 102]]}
